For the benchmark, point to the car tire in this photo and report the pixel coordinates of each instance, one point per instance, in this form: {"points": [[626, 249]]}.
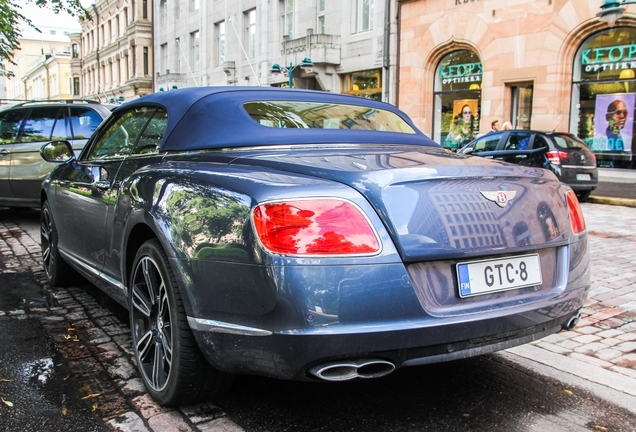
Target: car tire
{"points": [[171, 365], [583, 196], [58, 272]]}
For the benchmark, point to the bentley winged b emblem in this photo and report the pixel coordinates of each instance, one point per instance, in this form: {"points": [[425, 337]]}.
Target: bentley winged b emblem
{"points": [[500, 198]]}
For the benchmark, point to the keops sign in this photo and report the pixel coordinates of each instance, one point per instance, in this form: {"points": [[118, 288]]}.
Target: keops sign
{"points": [[613, 58], [461, 73]]}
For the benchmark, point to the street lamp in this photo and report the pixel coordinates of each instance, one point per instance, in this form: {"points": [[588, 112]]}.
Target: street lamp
{"points": [[611, 10], [276, 68]]}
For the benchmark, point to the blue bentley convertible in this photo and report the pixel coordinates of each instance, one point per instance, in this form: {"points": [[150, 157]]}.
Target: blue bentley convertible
{"points": [[306, 235]]}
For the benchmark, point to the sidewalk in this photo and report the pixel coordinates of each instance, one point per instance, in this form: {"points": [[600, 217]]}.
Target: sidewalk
{"points": [[617, 184], [599, 354]]}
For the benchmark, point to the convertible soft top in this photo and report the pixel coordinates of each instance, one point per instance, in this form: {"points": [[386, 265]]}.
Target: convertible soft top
{"points": [[215, 117]]}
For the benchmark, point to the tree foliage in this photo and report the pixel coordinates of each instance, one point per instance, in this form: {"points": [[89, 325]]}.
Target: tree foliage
{"points": [[12, 19]]}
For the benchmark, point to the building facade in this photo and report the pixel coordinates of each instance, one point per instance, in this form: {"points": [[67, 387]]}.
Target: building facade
{"points": [[351, 44], [41, 66], [546, 65], [112, 57]]}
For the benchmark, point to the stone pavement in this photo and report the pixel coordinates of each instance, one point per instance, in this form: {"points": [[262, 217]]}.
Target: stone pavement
{"points": [[599, 354], [97, 346]]}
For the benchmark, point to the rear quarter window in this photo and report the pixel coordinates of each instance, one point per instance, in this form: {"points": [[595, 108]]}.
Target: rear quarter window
{"points": [[314, 115], [566, 141], [84, 121]]}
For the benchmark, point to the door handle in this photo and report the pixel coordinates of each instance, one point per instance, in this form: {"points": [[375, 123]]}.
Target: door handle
{"points": [[4, 152]]}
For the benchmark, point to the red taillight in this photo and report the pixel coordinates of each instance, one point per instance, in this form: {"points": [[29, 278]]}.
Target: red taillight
{"points": [[556, 156], [576, 214], [314, 227]]}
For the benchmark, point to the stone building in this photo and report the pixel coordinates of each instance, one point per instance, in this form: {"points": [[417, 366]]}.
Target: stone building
{"points": [[351, 44], [541, 64], [112, 57]]}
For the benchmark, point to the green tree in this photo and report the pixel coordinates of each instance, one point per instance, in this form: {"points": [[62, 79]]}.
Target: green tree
{"points": [[11, 20]]}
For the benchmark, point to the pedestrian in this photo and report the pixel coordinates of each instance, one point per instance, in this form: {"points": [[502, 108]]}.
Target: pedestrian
{"points": [[507, 126], [494, 126]]}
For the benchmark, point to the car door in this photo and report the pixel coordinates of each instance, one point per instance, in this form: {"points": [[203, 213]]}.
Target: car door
{"points": [[145, 151], [28, 169], [85, 198], [514, 148], [10, 122]]}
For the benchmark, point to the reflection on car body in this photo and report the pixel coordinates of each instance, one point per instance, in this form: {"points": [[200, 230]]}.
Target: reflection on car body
{"points": [[562, 153], [306, 235]]}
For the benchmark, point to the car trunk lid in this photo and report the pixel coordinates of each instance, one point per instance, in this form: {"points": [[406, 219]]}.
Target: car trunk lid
{"points": [[441, 205]]}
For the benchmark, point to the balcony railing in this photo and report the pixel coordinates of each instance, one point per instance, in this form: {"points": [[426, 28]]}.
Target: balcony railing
{"points": [[320, 48]]}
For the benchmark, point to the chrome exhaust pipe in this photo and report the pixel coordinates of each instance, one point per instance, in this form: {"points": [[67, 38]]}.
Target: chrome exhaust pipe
{"points": [[351, 369], [572, 321]]}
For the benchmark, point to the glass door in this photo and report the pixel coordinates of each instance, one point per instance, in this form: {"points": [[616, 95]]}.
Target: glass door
{"points": [[521, 106]]}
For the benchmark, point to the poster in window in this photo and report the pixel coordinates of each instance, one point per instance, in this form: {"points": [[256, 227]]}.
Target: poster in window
{"points": [[464, 123], [614, 122]]}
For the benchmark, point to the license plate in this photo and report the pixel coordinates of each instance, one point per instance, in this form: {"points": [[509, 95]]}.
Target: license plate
{"points": [[481, 277], [584, 177]]}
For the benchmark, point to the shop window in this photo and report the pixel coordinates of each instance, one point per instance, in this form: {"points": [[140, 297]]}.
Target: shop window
{"points": [[604, 96], [367, 84], [457, 102]]}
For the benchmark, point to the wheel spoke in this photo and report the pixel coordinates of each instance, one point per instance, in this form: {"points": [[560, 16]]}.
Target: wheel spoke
{"points": [[140, 300], [150, 276], [158, 374], [144, 346]]}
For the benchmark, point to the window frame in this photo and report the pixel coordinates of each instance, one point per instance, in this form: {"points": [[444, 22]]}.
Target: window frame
{"points": [[249, 17]]}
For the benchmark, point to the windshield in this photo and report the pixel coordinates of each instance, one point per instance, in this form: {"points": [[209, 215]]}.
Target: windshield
{"points": [[314, 115]]}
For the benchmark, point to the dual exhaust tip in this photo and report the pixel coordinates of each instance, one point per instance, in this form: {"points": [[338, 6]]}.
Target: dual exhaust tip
{"points": [[351, 369], [572, 321]]}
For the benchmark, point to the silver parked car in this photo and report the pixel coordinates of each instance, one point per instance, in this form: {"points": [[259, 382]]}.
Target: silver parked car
{"points": [[24, 128]]}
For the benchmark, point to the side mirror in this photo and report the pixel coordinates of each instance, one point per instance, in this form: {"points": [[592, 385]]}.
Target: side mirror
{"points": [[467, 150], [57, 152]]}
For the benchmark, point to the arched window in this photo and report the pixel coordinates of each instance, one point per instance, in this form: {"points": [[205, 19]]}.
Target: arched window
{"points": [[604, 95], [457, 103]]}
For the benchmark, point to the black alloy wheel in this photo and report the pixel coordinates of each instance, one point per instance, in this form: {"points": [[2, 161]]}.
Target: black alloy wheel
{"points": [[58, 272], [171, 365]]}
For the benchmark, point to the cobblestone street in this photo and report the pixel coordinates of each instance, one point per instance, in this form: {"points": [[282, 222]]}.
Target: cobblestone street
{"points": [[96, 343]]}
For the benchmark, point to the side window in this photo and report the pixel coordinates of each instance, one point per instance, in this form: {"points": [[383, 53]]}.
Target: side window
{"points": [[539, 142], [10, 125], [39, 124], [517, 141], [120, 136], [150, 140], [487, 143], [84, 121], [61, 130]]}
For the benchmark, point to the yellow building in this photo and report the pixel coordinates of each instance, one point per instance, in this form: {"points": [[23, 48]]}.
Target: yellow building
{"points": [[540, 64], [42, 65]]}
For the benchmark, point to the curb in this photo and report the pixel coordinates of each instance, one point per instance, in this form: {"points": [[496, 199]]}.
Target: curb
{"points": [[625, 202], [613, 387]]}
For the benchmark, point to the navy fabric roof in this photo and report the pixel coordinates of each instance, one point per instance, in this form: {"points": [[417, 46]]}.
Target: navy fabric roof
{"points": [[214, 117]]}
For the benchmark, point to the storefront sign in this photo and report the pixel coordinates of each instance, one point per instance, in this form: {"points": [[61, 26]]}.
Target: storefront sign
{"points": [[616, 57], [467, 72]]}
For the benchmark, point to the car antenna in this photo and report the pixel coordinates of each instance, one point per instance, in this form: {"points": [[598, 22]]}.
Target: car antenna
{"points": [[557, 126], [258, 82]]}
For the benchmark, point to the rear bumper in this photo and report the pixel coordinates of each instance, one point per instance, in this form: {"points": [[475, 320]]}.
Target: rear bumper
{"points": [[290, 355]]}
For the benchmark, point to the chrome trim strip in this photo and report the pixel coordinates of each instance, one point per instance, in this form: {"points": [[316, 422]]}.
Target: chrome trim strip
{"points": [[214, 326], [587, 167], [93, 271]]}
